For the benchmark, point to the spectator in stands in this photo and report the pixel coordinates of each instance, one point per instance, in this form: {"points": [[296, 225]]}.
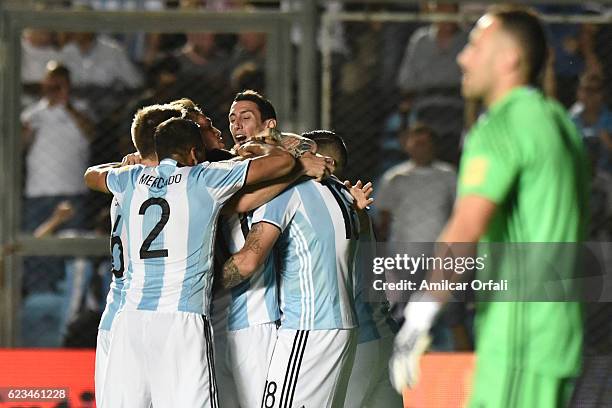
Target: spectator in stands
{"points": [[162, 87], [414, 201], [200, 57], [573, 46], [56, 133], [429, 63], [251, 47], [37, 49], [396, 124], [205, 73], [415, 198], [394, 40], [56, 137], [102, 75], [162, 82], [429, 73], [248, 76], [99, 61], [141, 47], [593, 118]]}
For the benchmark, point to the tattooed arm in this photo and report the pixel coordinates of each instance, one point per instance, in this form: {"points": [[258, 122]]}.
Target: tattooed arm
{"points": [[257, 246]]}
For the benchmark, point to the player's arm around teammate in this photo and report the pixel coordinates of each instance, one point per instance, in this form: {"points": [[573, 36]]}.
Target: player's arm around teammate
{"points": [[271, 162], [308, 165], [262, 236]]}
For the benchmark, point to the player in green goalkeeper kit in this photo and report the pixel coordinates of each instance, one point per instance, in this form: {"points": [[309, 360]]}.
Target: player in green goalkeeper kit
{"points": [[523, 179]]}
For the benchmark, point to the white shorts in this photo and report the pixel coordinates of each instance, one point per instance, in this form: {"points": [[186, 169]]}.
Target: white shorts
{"points": [[226, 387], [369, 385], [160, 359], [102, 346], [250, 352], [310, 368]]}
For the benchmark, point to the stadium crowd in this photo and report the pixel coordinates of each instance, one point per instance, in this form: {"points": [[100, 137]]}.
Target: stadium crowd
{"points": [[81, 90]]}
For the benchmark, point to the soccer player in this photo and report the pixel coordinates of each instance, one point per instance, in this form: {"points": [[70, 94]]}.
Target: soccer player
{"points": [[369, 384], [248, 198], [249, 115], [245, 317], [313, 229], [523, 178], [213, 140], [161, 346], [143, 128]]}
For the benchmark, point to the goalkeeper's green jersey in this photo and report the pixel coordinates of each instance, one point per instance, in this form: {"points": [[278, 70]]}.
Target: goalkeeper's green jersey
{"points": [[526, 155]]}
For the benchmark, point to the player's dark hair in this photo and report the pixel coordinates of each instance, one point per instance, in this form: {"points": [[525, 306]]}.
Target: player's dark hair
{"points": [[144, 124], [330, 144], [525, 26], [175, 137], [266, 109], [58, 69]]}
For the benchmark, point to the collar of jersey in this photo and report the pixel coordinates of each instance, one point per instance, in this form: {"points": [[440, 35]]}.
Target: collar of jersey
{"points": [[169, 162], [511, 96]]}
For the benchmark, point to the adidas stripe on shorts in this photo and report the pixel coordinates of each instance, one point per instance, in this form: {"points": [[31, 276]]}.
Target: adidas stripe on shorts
{"points": [[310, 368]]}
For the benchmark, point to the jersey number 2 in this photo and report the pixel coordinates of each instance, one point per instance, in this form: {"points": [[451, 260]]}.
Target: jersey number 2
{"points": [[145, 252]]}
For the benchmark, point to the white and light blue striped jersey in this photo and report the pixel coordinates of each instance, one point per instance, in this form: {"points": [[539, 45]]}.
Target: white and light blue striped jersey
{"points": [[255, 300], [316, 252], [375, 321], [119, 260], [171, 215]]}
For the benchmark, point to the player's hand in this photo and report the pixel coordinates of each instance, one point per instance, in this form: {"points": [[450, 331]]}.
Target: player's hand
{"points": [[317, 166], [253, 149], [411, 342], [298, 145], [132, 158], [270, 136], [361, 193]]}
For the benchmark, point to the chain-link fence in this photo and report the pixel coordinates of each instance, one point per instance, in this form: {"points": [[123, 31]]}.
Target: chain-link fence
{"points": [[394, 66], [79, 89], [381, 73], [83, 118], [396, 76]]}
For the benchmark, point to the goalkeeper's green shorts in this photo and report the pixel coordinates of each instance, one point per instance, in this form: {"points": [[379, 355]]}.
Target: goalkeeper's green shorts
{"points": [[497, 387]]}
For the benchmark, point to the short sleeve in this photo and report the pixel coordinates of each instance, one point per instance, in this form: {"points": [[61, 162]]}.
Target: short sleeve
{"points": [[31, 116], [224, 178], [280, 210], [118, 180], [490, 164]]}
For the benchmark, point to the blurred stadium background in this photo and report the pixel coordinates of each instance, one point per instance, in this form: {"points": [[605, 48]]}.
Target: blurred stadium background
{"points": [[363, 68]]}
